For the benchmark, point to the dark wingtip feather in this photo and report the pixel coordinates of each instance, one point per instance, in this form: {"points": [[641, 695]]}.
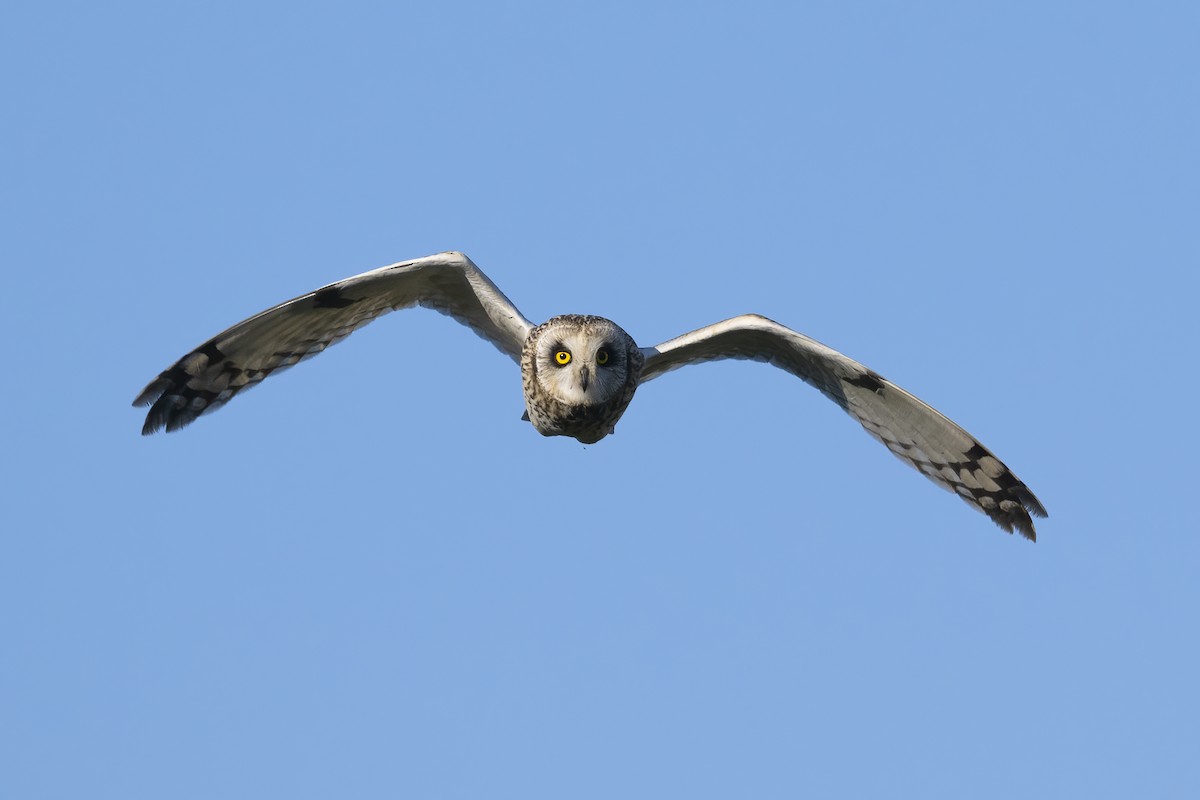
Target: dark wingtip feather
{"points": [[1015, 519], [1011, 515], [162, 414], [153, 396], [1030, 502], [1024, 525], [1026, 505], [152, 392]]}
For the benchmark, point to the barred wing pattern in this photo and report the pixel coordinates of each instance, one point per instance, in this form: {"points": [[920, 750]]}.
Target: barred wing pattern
{"points": [[912, 430], [213, 373]]}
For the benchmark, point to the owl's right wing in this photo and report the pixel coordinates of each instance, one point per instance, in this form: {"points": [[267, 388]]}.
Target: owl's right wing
{"points": [[915, 432], [208, 376]]}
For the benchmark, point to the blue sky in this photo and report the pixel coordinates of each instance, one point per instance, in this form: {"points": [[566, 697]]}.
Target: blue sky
{"points": [[369, 578]]}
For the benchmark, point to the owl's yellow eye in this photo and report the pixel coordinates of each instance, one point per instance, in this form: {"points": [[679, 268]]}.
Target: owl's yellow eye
{"points": [[602, 357], [562, 358]]}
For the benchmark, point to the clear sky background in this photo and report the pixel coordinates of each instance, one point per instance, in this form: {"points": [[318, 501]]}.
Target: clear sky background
{"points": [[368, 578]]}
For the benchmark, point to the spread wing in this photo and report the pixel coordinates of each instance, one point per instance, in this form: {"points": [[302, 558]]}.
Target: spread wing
{"points": [[916, 433], [207, 377]]}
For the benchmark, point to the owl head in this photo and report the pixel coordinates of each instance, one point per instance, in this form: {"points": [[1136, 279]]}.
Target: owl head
{"points": [[582, 360]]}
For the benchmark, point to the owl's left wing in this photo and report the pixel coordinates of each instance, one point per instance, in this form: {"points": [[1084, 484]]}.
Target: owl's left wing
{"points": [[235, 359], [912, 430]]}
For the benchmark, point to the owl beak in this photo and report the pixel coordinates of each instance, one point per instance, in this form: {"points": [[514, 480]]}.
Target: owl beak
{"points": [[583, 378]]}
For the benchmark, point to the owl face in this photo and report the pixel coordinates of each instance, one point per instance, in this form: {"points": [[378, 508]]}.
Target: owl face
{"points": [[582, 363]]}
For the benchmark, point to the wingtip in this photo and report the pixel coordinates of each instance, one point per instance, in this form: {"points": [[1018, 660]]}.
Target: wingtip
{"points": [[1011, 517], [152, 392], [1018, 519]]}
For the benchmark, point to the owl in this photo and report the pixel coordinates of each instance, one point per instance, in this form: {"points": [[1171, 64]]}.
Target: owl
{"points": [[580, 372]]}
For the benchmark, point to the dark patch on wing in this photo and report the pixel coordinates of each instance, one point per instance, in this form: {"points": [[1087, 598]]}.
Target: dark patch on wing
{"points": [[212, 352], [977, 452], [175, 376], [331, 297], [868, 380]]}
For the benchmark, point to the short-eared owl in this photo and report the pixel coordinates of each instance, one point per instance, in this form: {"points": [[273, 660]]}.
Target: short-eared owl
{"points": [[580, 372]]}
